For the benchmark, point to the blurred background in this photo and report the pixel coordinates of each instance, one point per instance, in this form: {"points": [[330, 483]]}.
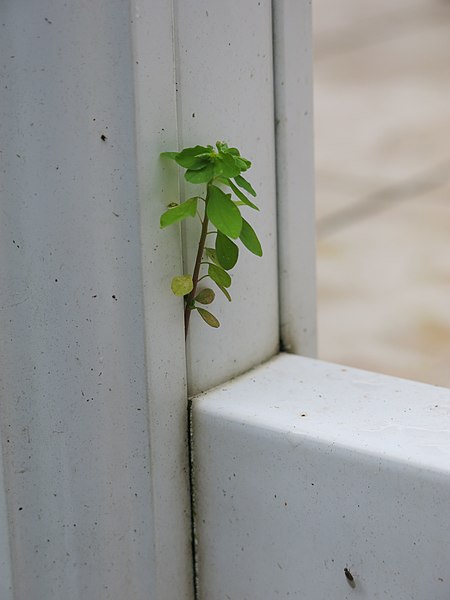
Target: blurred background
{"points": [[382, 136]]}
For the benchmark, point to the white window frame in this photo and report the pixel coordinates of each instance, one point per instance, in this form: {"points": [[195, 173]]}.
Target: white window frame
{"points": [[145, 91]]}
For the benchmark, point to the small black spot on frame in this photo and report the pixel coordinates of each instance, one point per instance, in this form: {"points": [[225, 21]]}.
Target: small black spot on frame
{"points": [[349, 578]]}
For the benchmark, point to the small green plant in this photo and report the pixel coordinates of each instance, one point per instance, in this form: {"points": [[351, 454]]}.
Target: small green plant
{"points": [[212, 167]]}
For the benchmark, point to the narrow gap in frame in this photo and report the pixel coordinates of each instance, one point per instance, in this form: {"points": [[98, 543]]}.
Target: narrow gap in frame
{"points": [[189, 435]]}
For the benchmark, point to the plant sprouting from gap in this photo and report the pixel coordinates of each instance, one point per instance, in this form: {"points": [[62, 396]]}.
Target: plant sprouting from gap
{"points": [[220, 214]]}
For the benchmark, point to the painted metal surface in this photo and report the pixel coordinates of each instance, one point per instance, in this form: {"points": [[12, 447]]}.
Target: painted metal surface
{"points": [[225, 91], [306, 469], [295, 174], [6, 585], [165, 359], [92, 412]]}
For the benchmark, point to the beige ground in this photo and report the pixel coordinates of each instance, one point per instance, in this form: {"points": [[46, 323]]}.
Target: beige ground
{"points": [[382, 110]]}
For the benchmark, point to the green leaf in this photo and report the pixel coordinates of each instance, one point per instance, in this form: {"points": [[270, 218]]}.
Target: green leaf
{"points": [[218, 168], [223, 213], [222, 146], [199, 163], [233, 151], [219, 275], [189, 157], [225, 291], [202, 175], [228, 167], [242, 163], [171, 155], [241, 196], [249, 238], [245, 185], [182, 285], [211, 254], [205, 296], [222, 179], [179, 212], [208, 317], [226, 251]]}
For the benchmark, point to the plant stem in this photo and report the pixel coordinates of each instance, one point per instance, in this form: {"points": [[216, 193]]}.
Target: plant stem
{"points": [[190, 297]]}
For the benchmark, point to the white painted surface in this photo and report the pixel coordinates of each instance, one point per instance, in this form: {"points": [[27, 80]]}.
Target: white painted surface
{"points": [[165, 360], [92, 412], [6, 586], [295, 174], [225, 91], [304, 468]]}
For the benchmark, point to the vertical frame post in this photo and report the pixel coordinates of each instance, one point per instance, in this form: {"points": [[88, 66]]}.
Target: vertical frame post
{"points": [[292, 32]]}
